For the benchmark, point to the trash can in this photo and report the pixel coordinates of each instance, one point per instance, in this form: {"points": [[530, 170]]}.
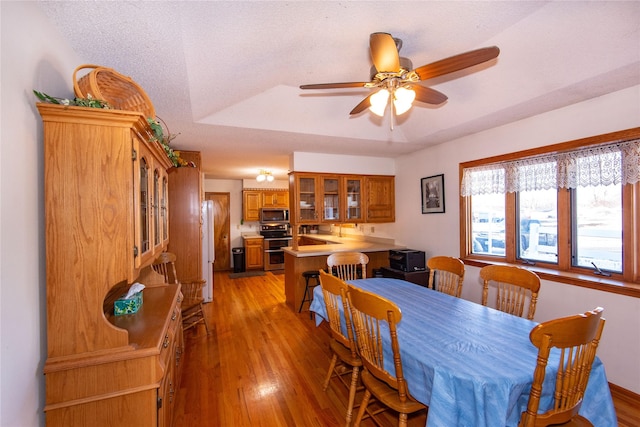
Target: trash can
{"points": [[238, 260]]}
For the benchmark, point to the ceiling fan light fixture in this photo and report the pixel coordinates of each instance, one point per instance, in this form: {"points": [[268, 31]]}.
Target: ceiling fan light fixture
{"points": [[379, 102], [403, 99]]}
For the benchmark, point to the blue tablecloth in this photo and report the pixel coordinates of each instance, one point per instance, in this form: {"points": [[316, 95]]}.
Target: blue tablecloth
{"points": [[472, 365]]}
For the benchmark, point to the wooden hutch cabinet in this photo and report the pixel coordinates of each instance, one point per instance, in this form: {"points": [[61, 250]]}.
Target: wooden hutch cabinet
{"points": [[106, 204]]}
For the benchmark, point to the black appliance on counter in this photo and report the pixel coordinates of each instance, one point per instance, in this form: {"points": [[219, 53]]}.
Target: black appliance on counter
{"points": [[407, 260], [276, 236]]}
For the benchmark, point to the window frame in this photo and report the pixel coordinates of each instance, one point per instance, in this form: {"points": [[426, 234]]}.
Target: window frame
{"points": [[627, 283]]}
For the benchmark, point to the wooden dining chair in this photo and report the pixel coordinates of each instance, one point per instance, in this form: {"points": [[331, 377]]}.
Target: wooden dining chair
{"points": [[372, 317], [192, 310], [348, 265], [446, 275], [165, 264], [577, 337], [514, 286], [342, 344]]}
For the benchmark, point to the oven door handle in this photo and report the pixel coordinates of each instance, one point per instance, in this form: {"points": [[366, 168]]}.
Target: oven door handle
{"points": [[273, 250]]}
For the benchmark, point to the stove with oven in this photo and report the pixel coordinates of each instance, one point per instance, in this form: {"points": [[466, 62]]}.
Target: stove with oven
{"points": [[276, 237]]}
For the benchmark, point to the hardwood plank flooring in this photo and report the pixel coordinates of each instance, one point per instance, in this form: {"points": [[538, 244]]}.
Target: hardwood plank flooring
{"points": [[263, 365]]}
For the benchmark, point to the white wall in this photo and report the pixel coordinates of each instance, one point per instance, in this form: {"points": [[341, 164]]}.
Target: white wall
{"points": [[334, 163], [438, 234], [34, 56]]}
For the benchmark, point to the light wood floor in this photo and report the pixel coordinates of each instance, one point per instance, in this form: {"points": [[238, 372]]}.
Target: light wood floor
{"points": [[263, 365]]}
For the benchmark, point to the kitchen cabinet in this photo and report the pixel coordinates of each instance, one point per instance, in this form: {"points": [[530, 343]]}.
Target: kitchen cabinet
{"points": [[251, 204], [104, 185], [254, 200], [380, 196], [185, 216], [275, 199], [254, 253], [303, 196], [353, 199], [341, 198], [330, 195]]}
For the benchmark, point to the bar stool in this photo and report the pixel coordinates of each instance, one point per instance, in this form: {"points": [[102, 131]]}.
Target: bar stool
{"points": [[308, 288]]}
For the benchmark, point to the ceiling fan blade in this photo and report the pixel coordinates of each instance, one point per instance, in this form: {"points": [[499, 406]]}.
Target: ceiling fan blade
{"points": [[428, 95], [384, 53], [363, 105], [457, 62], [333, 85]]}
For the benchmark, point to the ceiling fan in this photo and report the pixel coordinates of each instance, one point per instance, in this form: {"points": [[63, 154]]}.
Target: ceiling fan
{"points": [[392, 76]]}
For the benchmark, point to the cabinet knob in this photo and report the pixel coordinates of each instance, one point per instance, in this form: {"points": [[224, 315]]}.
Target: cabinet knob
{"points": [[165, 344]]}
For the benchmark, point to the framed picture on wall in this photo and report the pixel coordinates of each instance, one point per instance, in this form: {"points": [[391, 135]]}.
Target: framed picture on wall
{"points": [[432, 194]]}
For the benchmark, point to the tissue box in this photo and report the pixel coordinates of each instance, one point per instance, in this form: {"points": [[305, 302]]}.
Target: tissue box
{"points": [[128, 305]]}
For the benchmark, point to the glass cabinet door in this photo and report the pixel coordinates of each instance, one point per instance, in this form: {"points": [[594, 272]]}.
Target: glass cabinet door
{"points": [[144, 207], [164, 213], [354, 198], [330, 199], [155, 208], [307, 199]]}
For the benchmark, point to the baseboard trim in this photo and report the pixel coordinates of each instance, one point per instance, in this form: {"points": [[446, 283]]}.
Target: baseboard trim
{"points": [[623, 394]]}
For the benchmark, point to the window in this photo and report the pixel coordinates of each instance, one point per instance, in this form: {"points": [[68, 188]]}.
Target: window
{"points": [[571, 207], [597, 239], [537, 213]]}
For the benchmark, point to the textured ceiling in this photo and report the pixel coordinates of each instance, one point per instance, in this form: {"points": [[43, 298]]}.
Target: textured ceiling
{"points": [[225, 75]]}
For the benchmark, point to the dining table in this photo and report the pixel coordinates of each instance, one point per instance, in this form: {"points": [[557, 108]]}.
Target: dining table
{"points": [[471, 365]]}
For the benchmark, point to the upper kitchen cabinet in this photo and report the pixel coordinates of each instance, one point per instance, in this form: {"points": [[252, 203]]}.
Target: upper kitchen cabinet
{"points": [[303, 196], [341, 198], [254, 200], [275, 199], [331, 197], [185, 216], [353, 200], [380, 196], [251, 203]]}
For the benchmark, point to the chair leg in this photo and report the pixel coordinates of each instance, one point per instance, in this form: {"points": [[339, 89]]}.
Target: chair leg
{"points": [[352, 393], [332, 366], [402, 419], [363, 407], [204, 319]]}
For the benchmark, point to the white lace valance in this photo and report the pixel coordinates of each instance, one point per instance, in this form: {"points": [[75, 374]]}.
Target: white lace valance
{"points": [[617, 163]]}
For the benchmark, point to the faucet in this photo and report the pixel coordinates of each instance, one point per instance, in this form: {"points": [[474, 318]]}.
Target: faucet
{"points": [[340, 230]]}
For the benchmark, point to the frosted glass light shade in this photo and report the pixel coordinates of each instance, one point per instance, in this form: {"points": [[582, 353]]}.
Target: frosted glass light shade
{"points": [[402, 99], [379, 102]]}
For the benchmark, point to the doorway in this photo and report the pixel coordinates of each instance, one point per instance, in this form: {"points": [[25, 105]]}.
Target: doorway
{"points": [[222, 229]]}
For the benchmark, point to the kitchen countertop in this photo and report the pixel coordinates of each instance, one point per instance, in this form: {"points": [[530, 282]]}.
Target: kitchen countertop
{"points": [[341, 244], [251, 235]]}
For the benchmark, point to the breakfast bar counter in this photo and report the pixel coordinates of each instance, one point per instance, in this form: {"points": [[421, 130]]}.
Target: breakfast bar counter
{"points": [[314, 257]]}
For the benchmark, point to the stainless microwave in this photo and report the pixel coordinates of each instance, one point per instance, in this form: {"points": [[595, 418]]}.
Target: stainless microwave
{"points": [[270, 215]]}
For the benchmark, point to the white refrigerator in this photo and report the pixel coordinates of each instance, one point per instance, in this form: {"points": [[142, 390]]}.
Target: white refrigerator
{"points": [[208, 249]]}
